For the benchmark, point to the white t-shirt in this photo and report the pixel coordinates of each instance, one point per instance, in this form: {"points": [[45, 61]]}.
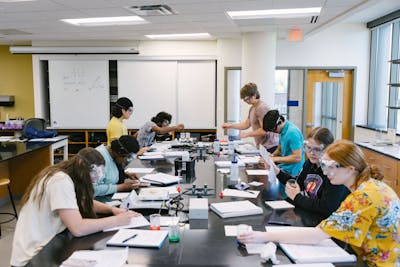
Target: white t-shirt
{"points": [[36, 227]]}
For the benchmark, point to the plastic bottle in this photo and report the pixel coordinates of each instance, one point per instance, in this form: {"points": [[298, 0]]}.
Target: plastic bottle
{"points": [[231, 147], [216, 146], [234, 169]]}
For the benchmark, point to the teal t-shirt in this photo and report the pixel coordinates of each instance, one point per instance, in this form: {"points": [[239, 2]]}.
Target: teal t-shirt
{"points": [[108, 184], [291, 139]]}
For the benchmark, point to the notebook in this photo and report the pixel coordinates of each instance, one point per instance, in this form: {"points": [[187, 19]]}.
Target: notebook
{"points": [[240, 193], [138, 238], [235, 209], [279, 204], [325, 251], [160, 178]]}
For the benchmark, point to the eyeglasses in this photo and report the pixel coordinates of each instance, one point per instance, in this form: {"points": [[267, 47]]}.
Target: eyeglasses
{"points": [[310, 149], [247, 98], [329, 165], [96, 172]]}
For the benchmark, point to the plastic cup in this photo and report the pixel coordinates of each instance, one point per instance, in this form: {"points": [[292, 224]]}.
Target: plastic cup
{"points": [[155, 222], [174, 233]]}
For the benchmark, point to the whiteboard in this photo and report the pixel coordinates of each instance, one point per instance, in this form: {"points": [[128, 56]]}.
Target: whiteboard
{"points": [[196, 94], [151, 85], [79, 94]]}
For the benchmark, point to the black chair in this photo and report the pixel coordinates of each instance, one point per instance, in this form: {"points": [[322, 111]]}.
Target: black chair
{"points": [[37, 123], [6, 181]]}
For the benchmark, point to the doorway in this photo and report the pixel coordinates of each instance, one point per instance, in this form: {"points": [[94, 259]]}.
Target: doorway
{"points": [[329, 101]]}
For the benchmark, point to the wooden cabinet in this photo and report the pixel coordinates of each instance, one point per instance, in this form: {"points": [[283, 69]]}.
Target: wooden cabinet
{"points": [[389, 166]]}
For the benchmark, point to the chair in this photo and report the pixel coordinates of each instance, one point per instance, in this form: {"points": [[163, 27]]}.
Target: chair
{"points": [[37, 123], [5, 181]]}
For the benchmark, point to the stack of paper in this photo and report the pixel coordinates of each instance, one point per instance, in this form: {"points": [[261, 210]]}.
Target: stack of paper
{"points": [[153, 194], [279, 204], [138, 238], [97, 258], [160, 178], [152, 155], [235, 209], [325, 251], [257, 172], [240, 193], [227, 164], [246, 149]]}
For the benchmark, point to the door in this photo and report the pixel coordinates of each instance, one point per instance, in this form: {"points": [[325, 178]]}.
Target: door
{"points": [[329, 102]]}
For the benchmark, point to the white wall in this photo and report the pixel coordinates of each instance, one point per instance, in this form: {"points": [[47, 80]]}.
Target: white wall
{"points": [[343, 45]]}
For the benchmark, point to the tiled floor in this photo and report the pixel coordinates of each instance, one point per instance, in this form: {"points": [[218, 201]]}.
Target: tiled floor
{"points": [[7, 232]]}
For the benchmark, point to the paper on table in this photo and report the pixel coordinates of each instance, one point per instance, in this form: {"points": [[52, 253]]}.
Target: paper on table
{"points": [[158, 156], [138, 170], [255, 183], [257, 172], [120, 195], [137, 221], [279, 204], [255, 248], [97, 258], [144, 238], [231, 230], [160, 178], [250, 160], [240, 193], [306, 265], [227, 164]]}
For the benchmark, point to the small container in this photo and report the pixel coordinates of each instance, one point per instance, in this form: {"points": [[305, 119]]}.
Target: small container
{"points": [[216, 146], [292, 183], [234, 169], [174, 234], [155, 221]]}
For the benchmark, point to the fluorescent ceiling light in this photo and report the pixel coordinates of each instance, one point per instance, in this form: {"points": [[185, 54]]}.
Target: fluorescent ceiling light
{"points": [[12, 1], [72, 50], [106, 21], [275, 13], [175, 36]]}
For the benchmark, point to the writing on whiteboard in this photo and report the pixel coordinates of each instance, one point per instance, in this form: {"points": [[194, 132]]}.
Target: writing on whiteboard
{"points": [[76, 80]]}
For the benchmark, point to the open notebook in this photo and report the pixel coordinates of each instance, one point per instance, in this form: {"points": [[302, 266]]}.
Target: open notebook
{"points": [[235, 209], [325, 251], [160, 178], [138, 238]]}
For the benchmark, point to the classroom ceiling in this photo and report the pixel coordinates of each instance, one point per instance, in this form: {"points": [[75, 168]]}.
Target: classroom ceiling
{"points": [[24, 22]]}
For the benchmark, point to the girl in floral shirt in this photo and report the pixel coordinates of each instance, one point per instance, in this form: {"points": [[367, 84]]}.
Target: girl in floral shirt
{"points": [[368, 219]]}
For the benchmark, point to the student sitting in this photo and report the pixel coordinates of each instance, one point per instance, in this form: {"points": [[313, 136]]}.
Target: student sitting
{"points": [[158, 125], [368, 219], [312, 190], [115, 156], [60, 197]]}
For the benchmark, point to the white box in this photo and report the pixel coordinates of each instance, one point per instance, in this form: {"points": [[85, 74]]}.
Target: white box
{"points": [[198, 208]]}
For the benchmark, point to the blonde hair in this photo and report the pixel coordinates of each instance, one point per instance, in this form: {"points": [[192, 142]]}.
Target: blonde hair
{"points": [[346, 153]]}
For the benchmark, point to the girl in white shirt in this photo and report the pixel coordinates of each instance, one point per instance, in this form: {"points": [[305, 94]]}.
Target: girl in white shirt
{"points": [[59, 197]]}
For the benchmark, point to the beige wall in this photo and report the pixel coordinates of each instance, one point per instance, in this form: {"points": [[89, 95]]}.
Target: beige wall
{"points": [[16, 79]]}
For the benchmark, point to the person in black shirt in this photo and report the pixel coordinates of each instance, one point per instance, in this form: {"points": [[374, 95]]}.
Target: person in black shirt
{"points": [[311, 190]]}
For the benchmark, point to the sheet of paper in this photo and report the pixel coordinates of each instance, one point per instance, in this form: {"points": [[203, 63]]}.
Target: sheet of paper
{"points": [[257, 172], [97, 258], [306, 265], [279, 204], [255, 248], [120, 195], [240, 193], [231, 230], [255, 183], [139, 170], [227, 164], [143, 238], [158, 156], [138, 221], [250, 160], [114, 203]]}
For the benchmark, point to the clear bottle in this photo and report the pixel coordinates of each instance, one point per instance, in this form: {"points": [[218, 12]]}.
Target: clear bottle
{"points": [[216, 146], [234, 169], [231, 147]]}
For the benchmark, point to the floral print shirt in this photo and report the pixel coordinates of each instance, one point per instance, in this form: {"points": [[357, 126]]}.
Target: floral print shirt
{"points": [[369, 220]]}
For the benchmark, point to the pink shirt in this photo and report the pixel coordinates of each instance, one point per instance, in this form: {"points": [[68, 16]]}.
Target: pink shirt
{"points": [[256, 114]]}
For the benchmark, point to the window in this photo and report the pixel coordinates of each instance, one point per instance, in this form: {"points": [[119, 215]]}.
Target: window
{"points": [[281, 90]]}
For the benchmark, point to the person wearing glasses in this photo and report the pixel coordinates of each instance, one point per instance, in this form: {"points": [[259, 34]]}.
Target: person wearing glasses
{"points": [[249, 93], [158, 125], [61, 197], [311, 190], [121, 111], [121, 151], [289, 153], [368, 219]]}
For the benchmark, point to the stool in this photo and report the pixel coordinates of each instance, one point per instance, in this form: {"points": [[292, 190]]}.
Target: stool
{"points": [[5, 181]]}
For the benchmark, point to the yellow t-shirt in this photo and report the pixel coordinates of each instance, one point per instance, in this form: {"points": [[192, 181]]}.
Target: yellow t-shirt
{"points": [[369, 220], [115, 129]]}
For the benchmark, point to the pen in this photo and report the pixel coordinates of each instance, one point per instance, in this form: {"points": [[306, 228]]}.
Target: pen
{"points": [[279, 223], [129, 238]]}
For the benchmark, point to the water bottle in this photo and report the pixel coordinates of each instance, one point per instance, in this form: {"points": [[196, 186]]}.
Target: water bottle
{"points": [[234, 169], [216, 146], [231, 147]]}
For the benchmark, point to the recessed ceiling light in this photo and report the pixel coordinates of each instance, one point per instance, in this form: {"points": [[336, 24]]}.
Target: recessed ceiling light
{"points": [[12, 1], [175, 36], [275, 13], [106, 21]]}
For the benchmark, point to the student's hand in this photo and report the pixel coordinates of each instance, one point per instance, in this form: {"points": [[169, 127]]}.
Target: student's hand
{"points": [[142, 151], [243, 135], [226, 125], [292, 191], [179, 126], [117, 211], [135, 182], [127, 186], [124, 218], [262, 164], [252, 237], [132, 176]]}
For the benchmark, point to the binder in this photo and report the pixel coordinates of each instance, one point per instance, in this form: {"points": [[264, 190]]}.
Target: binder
{"points": [[235, 209], [138, 238]]}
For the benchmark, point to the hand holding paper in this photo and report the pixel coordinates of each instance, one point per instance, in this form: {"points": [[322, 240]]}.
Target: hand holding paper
{"points": [[266, 156]]}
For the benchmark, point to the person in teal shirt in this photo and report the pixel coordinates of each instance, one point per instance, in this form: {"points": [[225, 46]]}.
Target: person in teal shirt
{"points": [[289, 153]]}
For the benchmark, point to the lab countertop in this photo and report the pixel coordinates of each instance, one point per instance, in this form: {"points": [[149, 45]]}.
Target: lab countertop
{"points": [[392, 151]]}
